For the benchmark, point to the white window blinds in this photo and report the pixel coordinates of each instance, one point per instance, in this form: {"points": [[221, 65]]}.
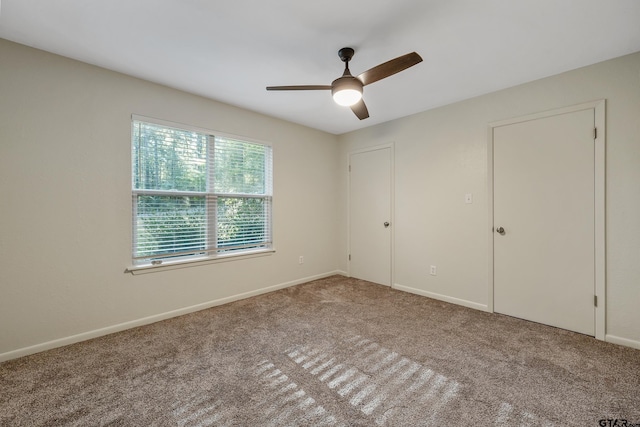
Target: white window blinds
{"points": [[196, 194]]}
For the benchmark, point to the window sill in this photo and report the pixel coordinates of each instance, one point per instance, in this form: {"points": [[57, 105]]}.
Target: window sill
{"points": [[195, 261]]}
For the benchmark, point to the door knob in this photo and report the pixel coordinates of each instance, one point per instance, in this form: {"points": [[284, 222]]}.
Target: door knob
{"points": [[386, 224], [500, 230]]}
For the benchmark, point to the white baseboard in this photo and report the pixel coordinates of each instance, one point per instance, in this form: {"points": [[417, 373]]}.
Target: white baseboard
{"points": [[445, 298], [608, 337], [622, 341], [152, 319]]}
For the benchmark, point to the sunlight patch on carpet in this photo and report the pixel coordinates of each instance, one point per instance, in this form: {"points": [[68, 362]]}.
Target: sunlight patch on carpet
{"points": [[287, 403], [376, 380], [202, 411], [508, 416]]}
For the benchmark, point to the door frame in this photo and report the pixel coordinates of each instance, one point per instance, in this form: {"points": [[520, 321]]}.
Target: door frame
{"points": [[391, 147], [599, 202]]}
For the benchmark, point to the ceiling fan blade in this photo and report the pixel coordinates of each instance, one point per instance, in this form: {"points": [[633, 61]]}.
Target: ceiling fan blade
{"points": [[307, 87], [360, 110], [390, 68]]}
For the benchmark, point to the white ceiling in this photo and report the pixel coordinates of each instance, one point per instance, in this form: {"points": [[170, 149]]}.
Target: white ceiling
{"points": [[231, 50]]}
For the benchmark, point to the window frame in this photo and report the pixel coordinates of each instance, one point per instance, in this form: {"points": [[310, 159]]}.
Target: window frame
{"points": [[214, 253]]}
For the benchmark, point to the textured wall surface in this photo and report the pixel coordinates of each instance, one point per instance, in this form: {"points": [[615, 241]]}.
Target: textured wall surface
{"points": [[65, 184], [441, 154], [65, 211]]}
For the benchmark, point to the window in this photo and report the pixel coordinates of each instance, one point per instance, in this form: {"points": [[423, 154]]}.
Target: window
{"points": [[197, 195]]}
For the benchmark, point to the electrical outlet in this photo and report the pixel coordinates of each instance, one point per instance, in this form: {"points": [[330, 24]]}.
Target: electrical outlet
{"points": [[432, 271], [301, 260]]}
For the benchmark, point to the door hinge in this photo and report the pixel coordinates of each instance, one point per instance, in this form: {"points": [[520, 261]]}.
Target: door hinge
{"points": [[349, 168], [595, 300], [349, 257], [595, 133]]}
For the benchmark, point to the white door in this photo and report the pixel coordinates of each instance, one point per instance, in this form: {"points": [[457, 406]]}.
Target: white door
{"points": [[544, 241], [370, 215]]}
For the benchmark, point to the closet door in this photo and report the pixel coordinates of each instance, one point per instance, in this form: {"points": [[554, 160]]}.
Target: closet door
{"points": [[544, 240], [370, 215]]}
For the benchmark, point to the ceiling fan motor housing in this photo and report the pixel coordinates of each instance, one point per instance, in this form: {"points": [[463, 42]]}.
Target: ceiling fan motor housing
{"points": [[346, 83]]}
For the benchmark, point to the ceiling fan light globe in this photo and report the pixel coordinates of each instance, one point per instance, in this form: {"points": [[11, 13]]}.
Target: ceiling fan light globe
{"points": [[347, 97], [346, 90]]}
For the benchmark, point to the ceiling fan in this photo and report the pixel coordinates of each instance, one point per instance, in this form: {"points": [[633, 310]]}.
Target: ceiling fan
{"points": [[347, 90]]}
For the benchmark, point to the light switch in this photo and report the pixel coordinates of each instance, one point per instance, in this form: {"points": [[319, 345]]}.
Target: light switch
{"points": [[468, 198]]}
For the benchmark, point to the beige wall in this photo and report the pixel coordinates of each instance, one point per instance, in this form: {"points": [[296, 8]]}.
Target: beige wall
{"points": [[65, 232], [65, 210], [441, 154]]}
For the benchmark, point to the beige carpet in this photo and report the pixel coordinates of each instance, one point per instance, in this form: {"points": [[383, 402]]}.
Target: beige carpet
{"points": [[334, 352]]}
